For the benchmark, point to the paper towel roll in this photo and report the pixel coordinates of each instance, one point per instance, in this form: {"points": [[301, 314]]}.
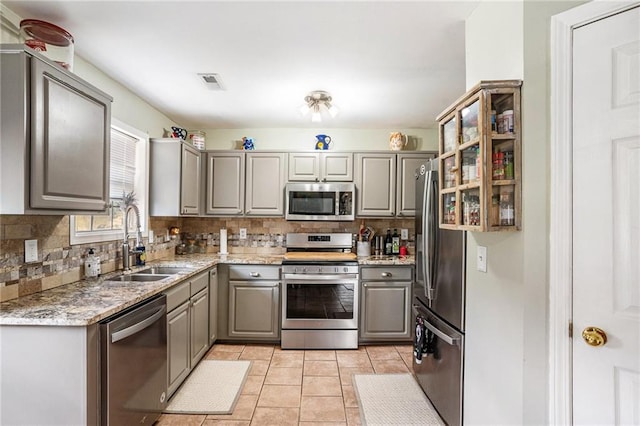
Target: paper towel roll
{"points": [[223, 241]]}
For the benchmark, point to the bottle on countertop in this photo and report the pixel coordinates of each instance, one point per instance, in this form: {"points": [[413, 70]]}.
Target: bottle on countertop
{"points": [[395, 243], [388, 243], [92, 265]]}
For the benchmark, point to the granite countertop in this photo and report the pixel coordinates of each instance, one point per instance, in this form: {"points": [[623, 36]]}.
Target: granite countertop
{"points": [[89, 301]]}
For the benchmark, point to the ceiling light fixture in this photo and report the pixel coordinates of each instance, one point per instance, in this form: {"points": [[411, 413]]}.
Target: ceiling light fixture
{"points": [[315, 102]]}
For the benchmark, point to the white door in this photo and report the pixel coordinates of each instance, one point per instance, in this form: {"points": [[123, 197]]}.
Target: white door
{"points": [[606, 219]]}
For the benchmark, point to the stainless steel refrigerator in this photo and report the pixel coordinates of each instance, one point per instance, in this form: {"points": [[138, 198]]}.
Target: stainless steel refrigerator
{"points": [[438, 301]]}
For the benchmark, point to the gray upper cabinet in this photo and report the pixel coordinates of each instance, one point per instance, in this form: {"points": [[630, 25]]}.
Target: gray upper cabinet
{"points": [[265, 181], [225, 183], [174, 176], [375, 184], [406, 181], [55, 138], [321, 166]]}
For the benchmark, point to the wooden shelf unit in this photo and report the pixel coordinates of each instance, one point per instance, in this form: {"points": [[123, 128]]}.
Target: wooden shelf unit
{"points": [[469, 135]]}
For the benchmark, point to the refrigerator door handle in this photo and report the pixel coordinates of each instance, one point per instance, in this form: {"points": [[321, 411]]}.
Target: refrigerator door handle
{"points": [[431, 232], [448, 339], [435, 330]]}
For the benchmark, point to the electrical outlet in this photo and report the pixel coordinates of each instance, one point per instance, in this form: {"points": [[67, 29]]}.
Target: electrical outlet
{"points": [[481, 261], [404, 234], [150, 236], [243, 233], [30, 251]]}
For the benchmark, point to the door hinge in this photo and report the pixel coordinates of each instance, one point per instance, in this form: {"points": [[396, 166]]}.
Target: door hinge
{"points": [[570, 330]]}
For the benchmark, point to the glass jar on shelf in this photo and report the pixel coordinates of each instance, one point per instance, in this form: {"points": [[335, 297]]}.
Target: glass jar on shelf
{"points": [[508, 165], [507, 217], [449, 209], [449, 172], [449, 135], [498, 165]]}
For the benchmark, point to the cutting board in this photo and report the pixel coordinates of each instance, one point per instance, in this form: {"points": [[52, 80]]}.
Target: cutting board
{"points": [[305, 255]]}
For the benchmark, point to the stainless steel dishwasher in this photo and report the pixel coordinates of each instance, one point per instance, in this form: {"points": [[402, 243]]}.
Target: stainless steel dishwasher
{"points": [[133, 360]]}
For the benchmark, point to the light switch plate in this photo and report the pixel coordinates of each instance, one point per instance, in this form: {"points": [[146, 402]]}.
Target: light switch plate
{"points": [[481, 263], [404, 234], [243, 233], [150, 236], [30, 251]]}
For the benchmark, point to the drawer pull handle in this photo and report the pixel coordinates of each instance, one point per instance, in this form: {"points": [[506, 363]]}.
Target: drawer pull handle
{"points": [[254, 274], [386, 274]]}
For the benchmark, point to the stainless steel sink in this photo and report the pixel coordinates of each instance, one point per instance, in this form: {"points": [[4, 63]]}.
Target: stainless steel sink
{"points": [[138, 277], [164, 270]]}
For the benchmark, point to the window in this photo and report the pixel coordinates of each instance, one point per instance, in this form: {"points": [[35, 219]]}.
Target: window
{"points": [[128, 172]]}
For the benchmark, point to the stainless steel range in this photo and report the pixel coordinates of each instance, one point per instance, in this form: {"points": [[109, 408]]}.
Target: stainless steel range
{"points": [[320, 292]]}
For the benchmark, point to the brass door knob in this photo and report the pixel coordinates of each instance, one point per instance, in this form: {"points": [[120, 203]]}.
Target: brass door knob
{"points": [[594, 336]]}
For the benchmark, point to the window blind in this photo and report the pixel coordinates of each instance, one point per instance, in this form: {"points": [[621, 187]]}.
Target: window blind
{"points": [[123, 164]]}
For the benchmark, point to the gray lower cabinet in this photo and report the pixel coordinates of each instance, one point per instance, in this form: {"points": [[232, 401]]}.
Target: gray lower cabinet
{"points": [[213, 305], [56, 132], [385, 303], [187, 327], [249, 303], [178, 332]]}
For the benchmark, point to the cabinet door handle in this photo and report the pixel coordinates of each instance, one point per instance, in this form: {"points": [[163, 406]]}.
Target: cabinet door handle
{"points": [[254, 274], [317, 180], [386, 274]]}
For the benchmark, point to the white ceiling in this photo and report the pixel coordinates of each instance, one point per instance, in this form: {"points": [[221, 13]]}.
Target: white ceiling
{"points": [[387, 64]]}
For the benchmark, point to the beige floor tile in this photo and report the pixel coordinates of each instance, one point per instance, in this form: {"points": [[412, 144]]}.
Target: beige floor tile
{"points": [[408, 360], [353, 416], [287, 351], [180, 420], [322, 408], [267, 416], [227, 347], [223, 355], [225, 423], [383, 352], [262, 352], [242, 411], [346, 374], [284, 376], [320, 368], [319, 355], [349, 396], [321, 386], [322, 424], [259, 368], [404, 349], [387, 366], [355, 359], [253, 385], [284, 359], [280, 396]]}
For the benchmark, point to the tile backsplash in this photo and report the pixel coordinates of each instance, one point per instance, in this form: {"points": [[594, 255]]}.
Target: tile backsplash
{"points": [[61, 263]]}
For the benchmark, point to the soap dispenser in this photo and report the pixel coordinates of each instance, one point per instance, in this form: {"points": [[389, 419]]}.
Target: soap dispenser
{"points": [[92, 265]]}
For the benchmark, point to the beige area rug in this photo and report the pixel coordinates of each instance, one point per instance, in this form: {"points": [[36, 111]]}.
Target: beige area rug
{"points": [[212, 388], [393, 399]]}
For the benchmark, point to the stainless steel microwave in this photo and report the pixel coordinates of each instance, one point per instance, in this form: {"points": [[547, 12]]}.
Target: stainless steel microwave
{"points": [[320, 201]]}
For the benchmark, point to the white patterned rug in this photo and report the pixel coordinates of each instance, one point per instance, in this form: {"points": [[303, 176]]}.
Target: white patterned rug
{"points": [[393, 399], [212, 388]]}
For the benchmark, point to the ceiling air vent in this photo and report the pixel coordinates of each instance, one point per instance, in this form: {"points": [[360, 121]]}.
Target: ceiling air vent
{"points": [[212, 81]]}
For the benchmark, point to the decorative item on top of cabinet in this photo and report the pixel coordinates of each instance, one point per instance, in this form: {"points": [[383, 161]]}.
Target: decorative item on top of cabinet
{"points": [[480, 159]]}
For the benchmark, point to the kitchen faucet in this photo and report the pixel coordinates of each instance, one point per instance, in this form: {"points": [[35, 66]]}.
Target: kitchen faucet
{"points": [[128, 205]]}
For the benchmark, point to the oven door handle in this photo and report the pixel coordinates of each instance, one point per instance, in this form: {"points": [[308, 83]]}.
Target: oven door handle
{"points": [[320, 277]]}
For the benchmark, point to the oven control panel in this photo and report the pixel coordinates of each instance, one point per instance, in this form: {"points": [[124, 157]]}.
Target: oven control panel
{"points": [[319, 269]]}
